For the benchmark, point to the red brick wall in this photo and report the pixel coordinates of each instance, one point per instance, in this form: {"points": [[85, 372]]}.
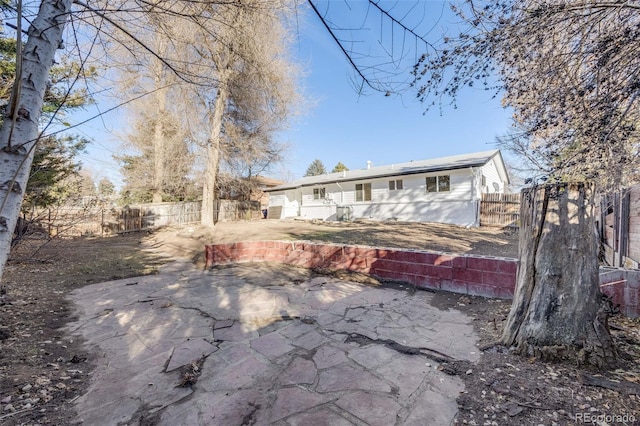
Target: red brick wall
{"points": [[468, 274], [623, 285], [475, 275]]}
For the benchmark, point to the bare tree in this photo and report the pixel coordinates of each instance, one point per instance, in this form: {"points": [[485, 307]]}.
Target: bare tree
{"points": [[236, 91], [569, 70], [254, 90], [161, 168], [380, 40], [156, 118], [121, 22]]}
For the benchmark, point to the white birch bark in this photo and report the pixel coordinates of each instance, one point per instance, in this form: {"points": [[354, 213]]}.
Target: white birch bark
{"points": [[19, 133]]}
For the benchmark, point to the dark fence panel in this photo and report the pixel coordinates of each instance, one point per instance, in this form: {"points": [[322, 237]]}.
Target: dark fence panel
{"points": [[619, 226]]}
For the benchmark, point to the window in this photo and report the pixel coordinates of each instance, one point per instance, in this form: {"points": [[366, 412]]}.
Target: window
{"points": [[363, 192], [438, 183], [443, 183], [395, 184], [319, 193]]}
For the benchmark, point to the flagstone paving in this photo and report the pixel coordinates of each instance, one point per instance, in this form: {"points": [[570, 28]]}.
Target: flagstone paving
{"points": [[267, 345]]}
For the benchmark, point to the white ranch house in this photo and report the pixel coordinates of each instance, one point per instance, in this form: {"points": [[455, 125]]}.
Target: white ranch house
{"points": [[446, 190]]}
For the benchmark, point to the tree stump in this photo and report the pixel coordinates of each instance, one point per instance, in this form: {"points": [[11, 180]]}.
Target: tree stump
{"points": [[558, 312]]}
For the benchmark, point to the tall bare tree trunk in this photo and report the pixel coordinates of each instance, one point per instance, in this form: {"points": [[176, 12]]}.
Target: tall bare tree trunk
{"points": [[558, 310], [213, 155], [158, 131], [19, 132], [159, 146]]}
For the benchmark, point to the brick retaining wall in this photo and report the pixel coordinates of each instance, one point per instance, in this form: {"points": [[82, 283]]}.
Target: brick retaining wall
{"points": [[623, 285], [474, 275], [468, 274]]}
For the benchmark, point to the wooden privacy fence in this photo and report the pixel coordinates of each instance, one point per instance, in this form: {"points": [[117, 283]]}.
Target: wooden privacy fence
{"points": [[97, 220], [148, 216], [619, 227], [500, 210], [65, 220], [234, 211]]}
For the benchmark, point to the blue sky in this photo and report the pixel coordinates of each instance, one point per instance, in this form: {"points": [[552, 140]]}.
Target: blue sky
{"points": [[353, 129], [344, 126]]}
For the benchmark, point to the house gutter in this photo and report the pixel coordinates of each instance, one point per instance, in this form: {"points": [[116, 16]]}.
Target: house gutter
{"points": [[383, 175]]}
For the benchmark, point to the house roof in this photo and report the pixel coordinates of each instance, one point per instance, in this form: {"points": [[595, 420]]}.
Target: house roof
{"points": [[268, 182], [454, 162]]}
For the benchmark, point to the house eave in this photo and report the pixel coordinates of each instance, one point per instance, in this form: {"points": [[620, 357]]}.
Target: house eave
{"points": [[378, 176]]}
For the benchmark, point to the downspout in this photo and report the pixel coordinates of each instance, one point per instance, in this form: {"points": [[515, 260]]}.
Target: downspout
{"points": [[474, 196], [344, 175], [341, 198], [341, 193], [343, 203]]}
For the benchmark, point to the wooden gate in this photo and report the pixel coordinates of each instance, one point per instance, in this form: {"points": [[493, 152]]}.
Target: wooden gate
{"points": [[234, 211], [500, 210], [149, 216]]}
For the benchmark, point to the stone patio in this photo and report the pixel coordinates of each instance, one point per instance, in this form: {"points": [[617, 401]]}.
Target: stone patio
{"points": [[267, 345]]}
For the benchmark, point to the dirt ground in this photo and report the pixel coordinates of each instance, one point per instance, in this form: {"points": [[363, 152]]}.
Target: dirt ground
{"points": [[42, 371], [420, 236]]}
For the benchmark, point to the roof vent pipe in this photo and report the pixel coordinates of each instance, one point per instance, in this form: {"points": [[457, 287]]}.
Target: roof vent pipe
{"points": [[369, 164]]}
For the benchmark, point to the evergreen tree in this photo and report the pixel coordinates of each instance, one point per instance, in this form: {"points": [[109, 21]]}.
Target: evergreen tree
{"points": [[106, 188], [86, 187], [339, 168], [52, 171], [60, 96], [316, 168]]}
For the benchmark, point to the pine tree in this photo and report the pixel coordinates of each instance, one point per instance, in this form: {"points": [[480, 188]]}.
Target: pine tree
{"points": [[316, 168], [339, 168], [54, 165]]}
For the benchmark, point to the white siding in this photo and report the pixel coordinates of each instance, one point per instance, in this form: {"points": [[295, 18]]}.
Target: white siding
{"points": [[459, 205], [461, 213], [490, 172], [277, 199], [292, 204], [412, 203]]}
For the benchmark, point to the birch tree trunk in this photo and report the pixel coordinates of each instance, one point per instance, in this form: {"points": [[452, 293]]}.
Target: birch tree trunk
{"points": [[19, 132], [213, 155], [558, 311]]}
